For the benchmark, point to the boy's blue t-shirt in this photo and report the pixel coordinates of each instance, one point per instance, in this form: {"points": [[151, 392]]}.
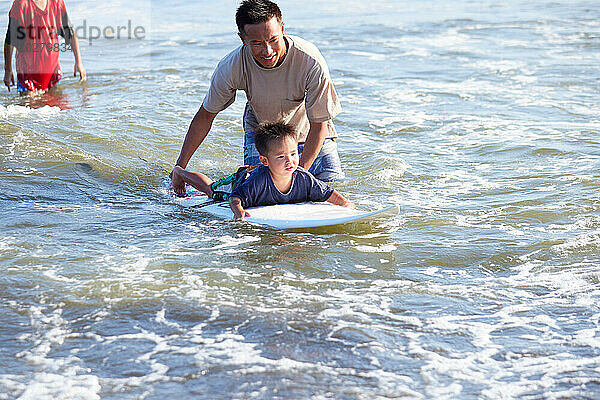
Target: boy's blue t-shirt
{"points": [[259, 189]]}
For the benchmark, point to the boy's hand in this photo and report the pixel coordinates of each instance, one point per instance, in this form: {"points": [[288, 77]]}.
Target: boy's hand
{"points": [[238, 211], [9, 79], [240, 215], [339, 200], [78, 68]]}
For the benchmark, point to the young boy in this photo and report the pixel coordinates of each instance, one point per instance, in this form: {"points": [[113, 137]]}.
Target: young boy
{"points": [[278, 180], [33, 28]]}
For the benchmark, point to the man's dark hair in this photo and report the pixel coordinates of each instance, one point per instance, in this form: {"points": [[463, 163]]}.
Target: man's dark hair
{"points": [[268, 133], [252, 12]]}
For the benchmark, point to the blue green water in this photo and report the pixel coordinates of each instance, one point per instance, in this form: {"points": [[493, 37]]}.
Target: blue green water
{"points": [[479, 119]]}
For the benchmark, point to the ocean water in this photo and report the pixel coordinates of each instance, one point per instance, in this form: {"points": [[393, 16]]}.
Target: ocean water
{"points": [[480, 119]]}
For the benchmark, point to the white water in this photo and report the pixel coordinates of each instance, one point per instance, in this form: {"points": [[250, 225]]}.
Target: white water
{"points": [[479, 119]]}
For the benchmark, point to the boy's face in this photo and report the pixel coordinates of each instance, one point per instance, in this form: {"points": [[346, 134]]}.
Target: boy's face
{"points": [[266, 42], [282, 157]]}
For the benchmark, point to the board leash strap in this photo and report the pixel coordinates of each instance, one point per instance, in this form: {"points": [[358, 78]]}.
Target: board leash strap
{"points": [[225, 186]]}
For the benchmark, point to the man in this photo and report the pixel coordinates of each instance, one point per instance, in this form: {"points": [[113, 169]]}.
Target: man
{"points": [[285, 79], [33, 29]]}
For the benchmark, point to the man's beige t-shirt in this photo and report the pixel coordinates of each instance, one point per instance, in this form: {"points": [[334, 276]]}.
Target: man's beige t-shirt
{"points": [[296, 92]]}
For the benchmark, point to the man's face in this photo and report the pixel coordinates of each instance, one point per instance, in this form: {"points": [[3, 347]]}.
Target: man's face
{"points": [[266, 42]]}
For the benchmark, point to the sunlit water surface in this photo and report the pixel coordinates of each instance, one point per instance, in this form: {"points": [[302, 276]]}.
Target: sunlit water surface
{"points": [[479, 119]]}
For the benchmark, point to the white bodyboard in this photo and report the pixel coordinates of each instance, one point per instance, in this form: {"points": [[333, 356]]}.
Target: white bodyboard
{"points": [[281, 216]]}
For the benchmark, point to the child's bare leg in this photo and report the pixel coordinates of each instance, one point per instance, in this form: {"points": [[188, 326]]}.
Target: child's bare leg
{"points": [[195, 179]]}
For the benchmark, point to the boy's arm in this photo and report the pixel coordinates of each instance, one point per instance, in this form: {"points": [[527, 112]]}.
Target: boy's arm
{"points": [[77, 54], [9, 79], [236, 206], [339, 200]]}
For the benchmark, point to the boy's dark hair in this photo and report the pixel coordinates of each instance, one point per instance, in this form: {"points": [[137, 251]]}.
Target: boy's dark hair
{"points": [[268, 133], [255, 12]]}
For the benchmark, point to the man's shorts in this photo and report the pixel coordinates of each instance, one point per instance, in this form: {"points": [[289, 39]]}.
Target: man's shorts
{"points": [[31, 82], [326, 167], [21, 88]]}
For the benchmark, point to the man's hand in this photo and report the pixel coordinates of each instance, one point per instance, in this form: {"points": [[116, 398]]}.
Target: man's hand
{"points": [[78, 68], [9, 79], [177, 181]]}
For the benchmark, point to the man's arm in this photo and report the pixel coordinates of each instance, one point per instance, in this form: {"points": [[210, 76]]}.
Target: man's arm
{"points": [[78, 62], [9, 78], [314, 141], [13, 37], [199, 128], [68, 33]]}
